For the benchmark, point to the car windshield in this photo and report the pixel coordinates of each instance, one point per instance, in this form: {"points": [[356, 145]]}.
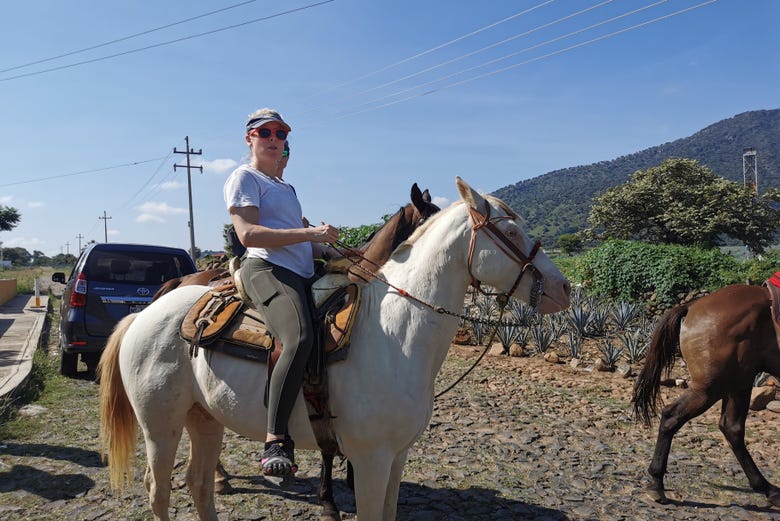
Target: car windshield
{"points": [[135, 267]]}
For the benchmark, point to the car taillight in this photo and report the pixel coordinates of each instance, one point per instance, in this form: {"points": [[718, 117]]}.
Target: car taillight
{"points": [[78, 297]]}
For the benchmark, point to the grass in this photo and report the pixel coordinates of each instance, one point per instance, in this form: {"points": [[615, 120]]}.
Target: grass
{"points": [[44, 384], [25, 277]]}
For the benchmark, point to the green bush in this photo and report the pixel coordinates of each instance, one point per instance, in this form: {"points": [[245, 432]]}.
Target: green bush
{"points": [[631, 271]]}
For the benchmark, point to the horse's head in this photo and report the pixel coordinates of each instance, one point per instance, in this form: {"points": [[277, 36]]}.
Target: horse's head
{"points": [[501, 255], [395, 231]]}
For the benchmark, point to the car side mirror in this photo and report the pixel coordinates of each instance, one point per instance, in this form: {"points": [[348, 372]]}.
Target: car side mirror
{"points": [[58, 277]]}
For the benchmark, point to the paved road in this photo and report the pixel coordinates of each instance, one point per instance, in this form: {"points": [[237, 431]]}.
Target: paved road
{"points": [[21, 325]]}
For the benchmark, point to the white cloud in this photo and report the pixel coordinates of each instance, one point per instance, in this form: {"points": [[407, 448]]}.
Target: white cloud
{"points": [[5, 199], [219, 166], [441, 202], [171, 185], [156, 212], [36, 204]]}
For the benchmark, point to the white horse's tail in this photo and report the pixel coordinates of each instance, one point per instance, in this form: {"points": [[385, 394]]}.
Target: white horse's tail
{"points": [[118, 424]]}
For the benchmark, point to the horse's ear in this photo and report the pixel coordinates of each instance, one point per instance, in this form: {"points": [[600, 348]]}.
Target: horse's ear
{"points": [[426, 196], [470, 196], [417, 198]]}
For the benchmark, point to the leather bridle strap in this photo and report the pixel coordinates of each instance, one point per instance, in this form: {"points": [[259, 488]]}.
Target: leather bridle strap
{"points": [[510, 250]]}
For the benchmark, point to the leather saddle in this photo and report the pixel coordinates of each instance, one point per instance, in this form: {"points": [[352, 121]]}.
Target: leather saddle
{"points": [[225, 320]]}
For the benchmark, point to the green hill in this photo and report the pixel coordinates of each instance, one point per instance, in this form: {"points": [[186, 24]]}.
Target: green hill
{"points": [[559, 202]]}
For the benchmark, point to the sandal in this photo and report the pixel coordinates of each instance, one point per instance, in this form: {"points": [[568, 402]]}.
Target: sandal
{"points": [[279, 458]]}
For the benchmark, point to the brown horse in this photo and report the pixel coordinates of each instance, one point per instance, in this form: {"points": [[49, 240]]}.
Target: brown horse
{"points": [[726, 339], [360, 269]]}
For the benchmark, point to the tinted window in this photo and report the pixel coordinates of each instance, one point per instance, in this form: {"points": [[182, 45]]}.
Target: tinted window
{"points": [[149, 268]]}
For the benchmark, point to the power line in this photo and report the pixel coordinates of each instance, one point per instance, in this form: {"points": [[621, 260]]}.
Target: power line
{"points": [[169, 42], [124, 38], [507, 56], [436, 48], [82, 172], [513, 66]]}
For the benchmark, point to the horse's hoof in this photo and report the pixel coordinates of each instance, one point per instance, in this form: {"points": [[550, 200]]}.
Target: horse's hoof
{"points": [[223, 487], [657, 495], [774, 497]]}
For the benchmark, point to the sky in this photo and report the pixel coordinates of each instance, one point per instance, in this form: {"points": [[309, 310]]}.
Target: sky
{"points": [[95, 97]]}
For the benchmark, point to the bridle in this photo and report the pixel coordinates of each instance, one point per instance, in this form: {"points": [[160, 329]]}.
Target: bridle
{"points": [[488, 224]]}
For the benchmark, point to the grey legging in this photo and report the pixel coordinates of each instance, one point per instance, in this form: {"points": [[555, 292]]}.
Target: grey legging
{"points": [[282, 297]]}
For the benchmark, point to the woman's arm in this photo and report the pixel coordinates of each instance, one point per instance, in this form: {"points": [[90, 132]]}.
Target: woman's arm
{"points": [[253, 235]]}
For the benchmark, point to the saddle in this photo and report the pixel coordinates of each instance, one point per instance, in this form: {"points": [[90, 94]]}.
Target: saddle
{"points": [[225, 320]]}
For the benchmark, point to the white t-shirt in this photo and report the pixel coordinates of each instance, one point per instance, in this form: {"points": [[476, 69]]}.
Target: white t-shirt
{"points": [[279, 208]]}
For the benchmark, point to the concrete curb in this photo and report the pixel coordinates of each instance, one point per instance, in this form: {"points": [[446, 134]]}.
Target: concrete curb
{"points": [[21, 327]]}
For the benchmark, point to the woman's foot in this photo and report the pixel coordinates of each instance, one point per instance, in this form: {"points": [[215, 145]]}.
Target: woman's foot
{"points": [[279, 458]]}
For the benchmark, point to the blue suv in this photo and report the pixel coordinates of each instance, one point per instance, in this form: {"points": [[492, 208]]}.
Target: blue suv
{"points": [[108, 282]]}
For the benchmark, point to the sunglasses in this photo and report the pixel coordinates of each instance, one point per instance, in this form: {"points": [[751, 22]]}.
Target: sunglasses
{"points": [[265, 133]]}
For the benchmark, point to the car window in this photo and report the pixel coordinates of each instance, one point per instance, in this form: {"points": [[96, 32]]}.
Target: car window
{"points": [[134, 267]]}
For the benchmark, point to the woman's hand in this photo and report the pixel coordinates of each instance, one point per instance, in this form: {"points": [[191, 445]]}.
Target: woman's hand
{"points": [[324, 233]]}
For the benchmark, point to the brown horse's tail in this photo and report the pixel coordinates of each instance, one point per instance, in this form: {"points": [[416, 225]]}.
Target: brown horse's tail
{"points": [[118, 424], [660, 357]]}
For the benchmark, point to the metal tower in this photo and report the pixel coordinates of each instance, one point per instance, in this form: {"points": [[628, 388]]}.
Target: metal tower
{"points": [[750, 169]]}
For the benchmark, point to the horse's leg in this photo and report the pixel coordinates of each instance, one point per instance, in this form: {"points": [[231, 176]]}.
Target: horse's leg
{"points": [[732, 425], [689, 405], [205, 445], [221, 480], [394, 484], [161, 448], [372, 473], [329, 510]]}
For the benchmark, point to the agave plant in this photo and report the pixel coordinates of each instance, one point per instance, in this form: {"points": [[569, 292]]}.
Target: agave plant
{"points": [[521, 312], [575, 344], [543, 337], [610, 353], [578, 317], [507, 332], [624, 313], [634, 344], [599, 317]]}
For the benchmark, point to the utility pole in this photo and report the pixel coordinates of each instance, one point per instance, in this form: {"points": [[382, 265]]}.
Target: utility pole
{"points": [[189, 151], [79, 237], [105, 224], [67, 248]]}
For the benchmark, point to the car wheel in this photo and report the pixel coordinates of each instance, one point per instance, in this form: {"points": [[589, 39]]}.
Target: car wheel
{"points": [[69, 364]]}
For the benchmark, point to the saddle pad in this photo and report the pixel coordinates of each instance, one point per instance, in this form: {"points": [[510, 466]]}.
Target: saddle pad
{"points": [[775, 279]]}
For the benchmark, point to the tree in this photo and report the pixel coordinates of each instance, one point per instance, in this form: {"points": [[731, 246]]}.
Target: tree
{"points": [[9, 218], [682, 202], [570, 243]]}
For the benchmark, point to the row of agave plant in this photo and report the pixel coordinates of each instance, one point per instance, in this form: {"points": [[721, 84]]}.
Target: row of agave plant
{"points": [[622, 329]]}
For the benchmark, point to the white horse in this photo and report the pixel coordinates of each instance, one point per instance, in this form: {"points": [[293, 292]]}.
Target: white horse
{"points": [[381, 395]]}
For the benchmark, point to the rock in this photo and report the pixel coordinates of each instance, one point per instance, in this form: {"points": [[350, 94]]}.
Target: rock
{"points": [[624, 370], [496, 350], [32, 410], [602, 366], [760, 397], [516, 350], [551, 357], [682, 384], [575, 363], [773, 406], [462, 337]]}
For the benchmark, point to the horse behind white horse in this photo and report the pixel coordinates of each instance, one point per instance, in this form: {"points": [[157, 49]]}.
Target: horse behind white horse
{"points": [[381, 395]]}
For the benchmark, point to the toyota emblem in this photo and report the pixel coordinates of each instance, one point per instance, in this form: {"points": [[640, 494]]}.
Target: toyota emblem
{"points": [[144, 292]]}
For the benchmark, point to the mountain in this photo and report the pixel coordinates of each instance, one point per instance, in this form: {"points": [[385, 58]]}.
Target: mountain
{"points": [[559, 202]]}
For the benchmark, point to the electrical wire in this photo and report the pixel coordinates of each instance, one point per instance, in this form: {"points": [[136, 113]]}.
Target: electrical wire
{"points": [[125, 38], [169, 42], [81, 172]]}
